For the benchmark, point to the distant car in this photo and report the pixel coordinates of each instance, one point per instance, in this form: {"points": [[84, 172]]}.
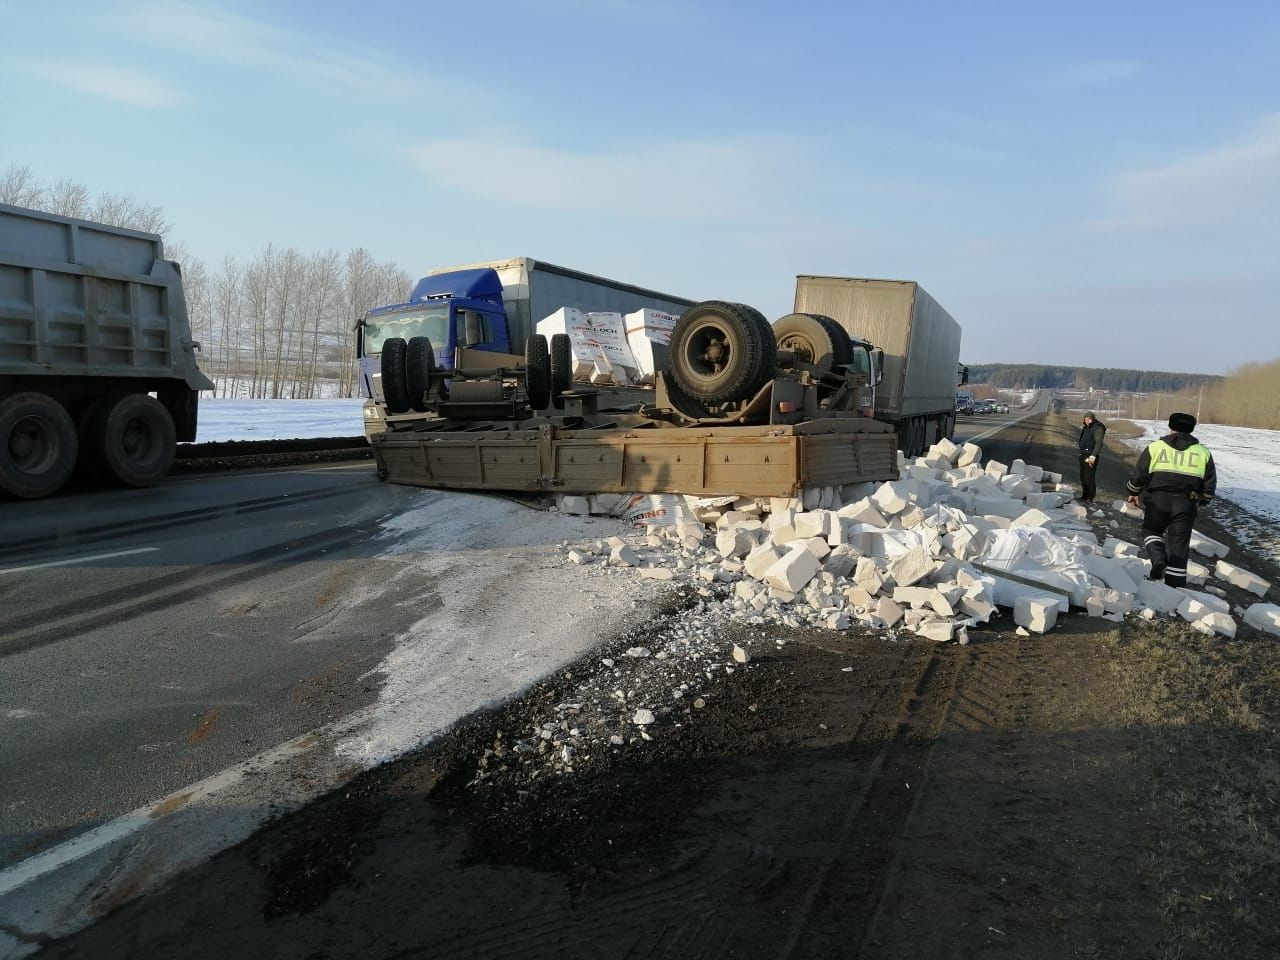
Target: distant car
{"points": [[1001, 407], [983, 406]]}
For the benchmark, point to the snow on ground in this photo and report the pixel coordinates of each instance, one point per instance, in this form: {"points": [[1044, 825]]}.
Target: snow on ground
{"points": [[279, 419], [501, 610], [1248, 462]]}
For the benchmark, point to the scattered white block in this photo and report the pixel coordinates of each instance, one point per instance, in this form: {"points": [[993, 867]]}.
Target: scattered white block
{"points": [[1239, 577], [1128, 509], [1033, 518], [1037, 614], [1160, 596], [863, 511], [890, 497], [657, 573], [793, 570], [911, 567], [816, 523], [1220, 623], [762, 558], [970, 453], [1207, 546], [886, 613], [1264, 617]]}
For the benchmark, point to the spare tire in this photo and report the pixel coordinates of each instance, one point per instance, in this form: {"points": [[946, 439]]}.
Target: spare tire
{"points": [[537, 372], [37, 445], [420, 360], [808, 338], [561, 368], [841, 342], [395, 380], [721, 352]]}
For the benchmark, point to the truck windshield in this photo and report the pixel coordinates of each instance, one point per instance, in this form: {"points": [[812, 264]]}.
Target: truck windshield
{"points": [[430, 322]]}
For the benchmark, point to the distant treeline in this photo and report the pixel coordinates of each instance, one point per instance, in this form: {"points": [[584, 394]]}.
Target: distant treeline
{"points": [[1032, 375], [1246, 397]]}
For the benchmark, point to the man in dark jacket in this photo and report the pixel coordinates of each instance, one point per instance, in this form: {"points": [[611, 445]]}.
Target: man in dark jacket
{"points": [[1091, 435], [1175, 476]]}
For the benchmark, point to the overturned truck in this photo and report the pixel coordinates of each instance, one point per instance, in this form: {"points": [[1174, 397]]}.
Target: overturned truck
{"points": [[738, 408]]}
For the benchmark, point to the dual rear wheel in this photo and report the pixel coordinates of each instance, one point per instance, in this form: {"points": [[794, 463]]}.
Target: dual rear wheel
{"points": [[124, 439]]}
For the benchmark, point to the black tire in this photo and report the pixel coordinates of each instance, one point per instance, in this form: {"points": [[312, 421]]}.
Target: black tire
{"points": [[395, 380], [841, 342], [561, 368], [419, 361], [721, 352], [806, 336], [537, 371], [129, 440], [37, 445]]}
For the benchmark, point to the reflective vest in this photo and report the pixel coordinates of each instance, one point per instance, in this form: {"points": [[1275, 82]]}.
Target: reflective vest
{"points": [[1166, 458]]}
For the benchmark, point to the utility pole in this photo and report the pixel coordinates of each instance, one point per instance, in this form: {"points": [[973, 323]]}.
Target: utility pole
{"points": [[1200, 401], [1157, 407]]}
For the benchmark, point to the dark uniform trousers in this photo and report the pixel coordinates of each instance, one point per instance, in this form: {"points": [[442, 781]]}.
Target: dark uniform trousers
{"points": [[1088, 479], [1166, 531]]}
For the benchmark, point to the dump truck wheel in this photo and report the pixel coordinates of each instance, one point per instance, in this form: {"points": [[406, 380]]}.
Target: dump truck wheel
{"points": [[420, 360], [395, 381], [129, 440], [806, 336], [561, 368], [37, 445], [721, 351], [537, 371], [841, 342]]}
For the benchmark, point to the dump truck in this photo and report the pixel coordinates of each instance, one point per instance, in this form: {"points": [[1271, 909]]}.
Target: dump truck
{"points": [[97, 365], [734, 412], [490, 307], [920, 369]]}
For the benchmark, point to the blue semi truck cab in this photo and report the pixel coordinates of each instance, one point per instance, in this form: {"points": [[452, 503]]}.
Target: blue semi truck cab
{"points": [[462, 308], [493, 306]]}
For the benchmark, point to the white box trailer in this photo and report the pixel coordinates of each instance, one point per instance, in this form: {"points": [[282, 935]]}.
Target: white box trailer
{"points": [[921, 343]]}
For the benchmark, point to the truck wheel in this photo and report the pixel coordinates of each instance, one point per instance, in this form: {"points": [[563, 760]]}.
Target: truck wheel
{"points": [[841, 343], [395, 382], [561, 368], [806, 336], [721, 351], [129, 440], [37, 445], [420, 360], [537, 372]]}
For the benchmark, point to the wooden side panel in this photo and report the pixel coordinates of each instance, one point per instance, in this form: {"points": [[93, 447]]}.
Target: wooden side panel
{"points": [[706, 463]]}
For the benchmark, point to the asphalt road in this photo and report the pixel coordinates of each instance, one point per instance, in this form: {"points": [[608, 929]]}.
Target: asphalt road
{"points": [[150, 638], [978, 428]]}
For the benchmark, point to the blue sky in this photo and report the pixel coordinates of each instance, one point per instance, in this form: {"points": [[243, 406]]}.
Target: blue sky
{"points": [[1081, 183]]}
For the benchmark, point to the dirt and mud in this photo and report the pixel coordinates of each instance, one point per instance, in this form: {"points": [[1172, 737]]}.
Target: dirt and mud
{"points": [[1106, 790]]}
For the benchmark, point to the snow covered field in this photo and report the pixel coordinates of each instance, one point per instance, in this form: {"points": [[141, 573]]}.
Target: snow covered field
{"points": [[278, 419], [1248, 462]]}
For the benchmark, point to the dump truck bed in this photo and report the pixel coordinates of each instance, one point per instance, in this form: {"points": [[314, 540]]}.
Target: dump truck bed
{"points": [[756, 461]]}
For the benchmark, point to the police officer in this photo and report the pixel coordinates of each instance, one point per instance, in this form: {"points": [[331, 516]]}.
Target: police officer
{"points": [[1175, 475], [1092, 433]]}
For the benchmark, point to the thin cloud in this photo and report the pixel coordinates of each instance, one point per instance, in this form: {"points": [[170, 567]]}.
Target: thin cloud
{"points": [[1096, 73], [1234, 183], [738, 180], [231, 37], [121, 84]]}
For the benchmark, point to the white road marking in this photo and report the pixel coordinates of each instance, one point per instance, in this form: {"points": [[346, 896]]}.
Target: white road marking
{"points": [[202, 792], [89, 559]]}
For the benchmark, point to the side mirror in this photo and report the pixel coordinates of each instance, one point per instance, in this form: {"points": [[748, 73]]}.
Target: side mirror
{"points": [[964, 374], [472, 329], [877, 360]]}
